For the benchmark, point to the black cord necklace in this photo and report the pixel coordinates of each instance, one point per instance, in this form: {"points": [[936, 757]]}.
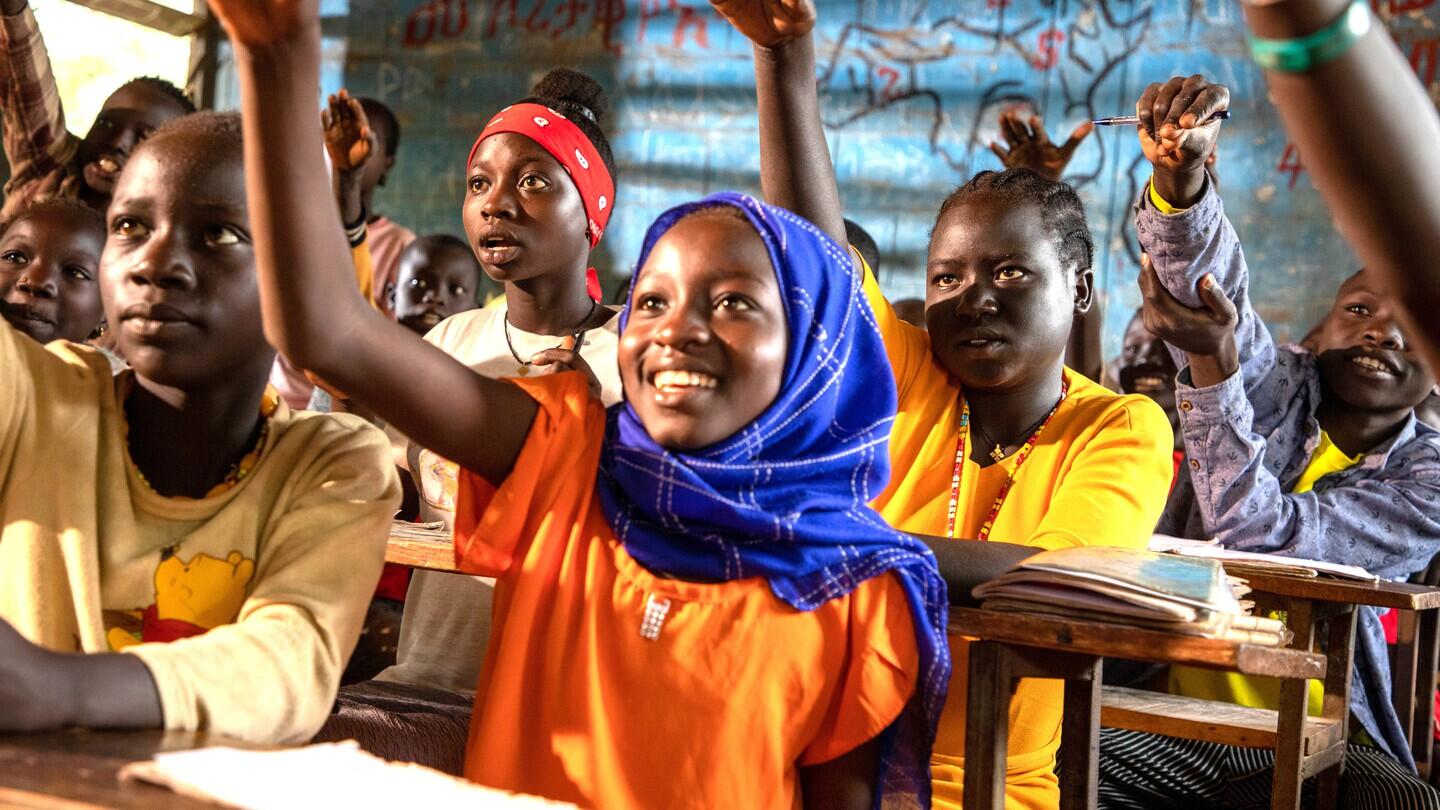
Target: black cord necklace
{"points": [[577, 334]]}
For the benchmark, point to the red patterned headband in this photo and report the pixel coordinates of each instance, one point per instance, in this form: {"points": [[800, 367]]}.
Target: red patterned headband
{"points": [[568, 145]]}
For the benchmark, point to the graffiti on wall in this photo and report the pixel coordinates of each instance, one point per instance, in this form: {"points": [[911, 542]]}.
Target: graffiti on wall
{"points": [[910, 93]]}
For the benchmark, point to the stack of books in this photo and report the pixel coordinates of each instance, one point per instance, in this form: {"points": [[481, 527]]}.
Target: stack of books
{"points": [[1166, 592]]}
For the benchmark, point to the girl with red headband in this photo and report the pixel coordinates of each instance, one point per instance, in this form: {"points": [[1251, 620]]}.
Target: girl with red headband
{"points": [[539, 192]]}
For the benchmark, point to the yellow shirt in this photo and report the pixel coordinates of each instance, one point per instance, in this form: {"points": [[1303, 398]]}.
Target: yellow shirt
{"points": [[1099, 476], [264, 586], [1258, 692]]}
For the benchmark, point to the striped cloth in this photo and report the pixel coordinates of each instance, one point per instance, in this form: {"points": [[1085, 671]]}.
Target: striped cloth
{"points": [[40, 150], [1140, 771]]}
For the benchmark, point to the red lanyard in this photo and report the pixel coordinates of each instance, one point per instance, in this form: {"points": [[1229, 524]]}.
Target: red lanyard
{"points": [[1020, 458]]}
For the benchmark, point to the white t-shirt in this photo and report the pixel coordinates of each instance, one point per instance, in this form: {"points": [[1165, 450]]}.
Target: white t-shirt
{"points": [[446, 624]]}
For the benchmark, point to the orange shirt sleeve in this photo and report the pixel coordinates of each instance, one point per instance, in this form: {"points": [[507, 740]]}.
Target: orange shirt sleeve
{"points": [[907, 345], [1113, 493], [548, 492], [880, 678]]}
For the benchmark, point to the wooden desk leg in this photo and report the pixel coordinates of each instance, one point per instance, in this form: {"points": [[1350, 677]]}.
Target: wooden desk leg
{"points": [[1404, 666], [987, 726], [1339, 652], [1427, 644], [1285, 793], [1080, 742]]}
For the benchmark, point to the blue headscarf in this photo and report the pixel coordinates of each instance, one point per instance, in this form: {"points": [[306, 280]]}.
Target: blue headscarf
{"points": [[786, 498]]}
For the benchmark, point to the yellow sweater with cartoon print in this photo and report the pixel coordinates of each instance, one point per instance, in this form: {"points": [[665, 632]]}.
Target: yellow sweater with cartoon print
{"points": [[244, 605]]}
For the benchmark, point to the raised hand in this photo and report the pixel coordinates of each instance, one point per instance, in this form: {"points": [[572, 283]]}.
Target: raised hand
{"points": [[1206, 334], [768, 23], [1030, 146], [566, 357], [348, 137], [1177, 133], [255, 23]]}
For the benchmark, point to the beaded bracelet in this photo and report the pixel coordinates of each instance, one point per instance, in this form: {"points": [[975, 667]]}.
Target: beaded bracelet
{"points": [[1303, 53]]}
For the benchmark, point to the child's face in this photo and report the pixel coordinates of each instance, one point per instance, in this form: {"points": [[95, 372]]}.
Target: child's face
{"points": [[523, 216], [1364, 358], [127, 118], [1147, 368], [49, 271], [704, 349], [179, 268], [433, 283], [999, 303]]}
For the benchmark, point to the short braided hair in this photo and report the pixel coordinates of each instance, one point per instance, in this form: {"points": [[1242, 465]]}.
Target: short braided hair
{"points": [[1060, 208]]}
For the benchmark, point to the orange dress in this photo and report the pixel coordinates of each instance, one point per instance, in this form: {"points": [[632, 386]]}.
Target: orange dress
{"points": [[736, 691]]}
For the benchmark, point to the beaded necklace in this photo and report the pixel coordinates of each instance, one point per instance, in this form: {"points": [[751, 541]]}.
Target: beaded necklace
{"points": [[1020, 458]]}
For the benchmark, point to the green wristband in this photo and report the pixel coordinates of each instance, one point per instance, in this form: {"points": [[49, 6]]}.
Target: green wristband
{"points": [[1303, 53]]}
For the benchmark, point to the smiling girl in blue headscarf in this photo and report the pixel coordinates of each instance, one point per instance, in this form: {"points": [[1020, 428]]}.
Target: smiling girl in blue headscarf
{"points": [[695, 606]]}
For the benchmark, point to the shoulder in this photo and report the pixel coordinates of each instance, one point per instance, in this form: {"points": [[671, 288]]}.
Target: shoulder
{"points": [[329, 440], [1092, 404], [457, 332]]}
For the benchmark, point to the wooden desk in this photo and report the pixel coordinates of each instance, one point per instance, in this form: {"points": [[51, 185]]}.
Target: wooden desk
{"points": [[77, 769], [1020, 645], [415, 546], [1414, 659]]}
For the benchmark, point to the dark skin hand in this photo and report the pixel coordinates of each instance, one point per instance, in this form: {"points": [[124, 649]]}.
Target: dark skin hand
{"points": [[1367, 131], [41, 689], [1029, 145], [351, 144], [1207, 336], [1177, 135]]}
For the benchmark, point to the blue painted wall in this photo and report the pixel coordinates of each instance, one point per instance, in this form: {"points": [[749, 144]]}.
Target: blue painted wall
{"points": [[910, 88]]}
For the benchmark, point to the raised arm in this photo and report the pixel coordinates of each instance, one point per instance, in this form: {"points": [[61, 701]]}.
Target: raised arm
{"points": [[35, 139], [313, 312], [796, 172], [1368, 133]]}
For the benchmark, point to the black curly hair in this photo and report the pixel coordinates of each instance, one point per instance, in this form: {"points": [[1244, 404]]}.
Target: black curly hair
{"points": [[164, 88], [1060, 208], [378, 111], [582, 100]]}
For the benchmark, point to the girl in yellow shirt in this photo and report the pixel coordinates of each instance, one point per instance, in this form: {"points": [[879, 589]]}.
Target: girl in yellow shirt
{"points": [[994, 438]]}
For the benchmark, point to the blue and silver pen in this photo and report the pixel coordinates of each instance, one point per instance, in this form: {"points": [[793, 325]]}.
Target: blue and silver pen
{"points": [[1134, 120]]}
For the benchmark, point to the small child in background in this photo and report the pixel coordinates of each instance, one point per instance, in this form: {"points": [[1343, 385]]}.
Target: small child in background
{"points": [[45, 159], [438, 277], [1316, 455], [178, 550], [50, 271], [355, 185]]}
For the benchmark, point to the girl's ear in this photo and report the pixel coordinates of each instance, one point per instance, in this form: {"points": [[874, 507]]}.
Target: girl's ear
{"points": [[1084, 290]]}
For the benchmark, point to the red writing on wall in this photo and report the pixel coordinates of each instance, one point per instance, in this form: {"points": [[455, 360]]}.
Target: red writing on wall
{"points": [[891, 77], [689, 19], [446, 19], [440, 20], [1047, 48], [1290, 162]]}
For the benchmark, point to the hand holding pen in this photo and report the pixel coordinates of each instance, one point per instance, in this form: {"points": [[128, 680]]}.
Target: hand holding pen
{"points": [[1179, 125]]}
